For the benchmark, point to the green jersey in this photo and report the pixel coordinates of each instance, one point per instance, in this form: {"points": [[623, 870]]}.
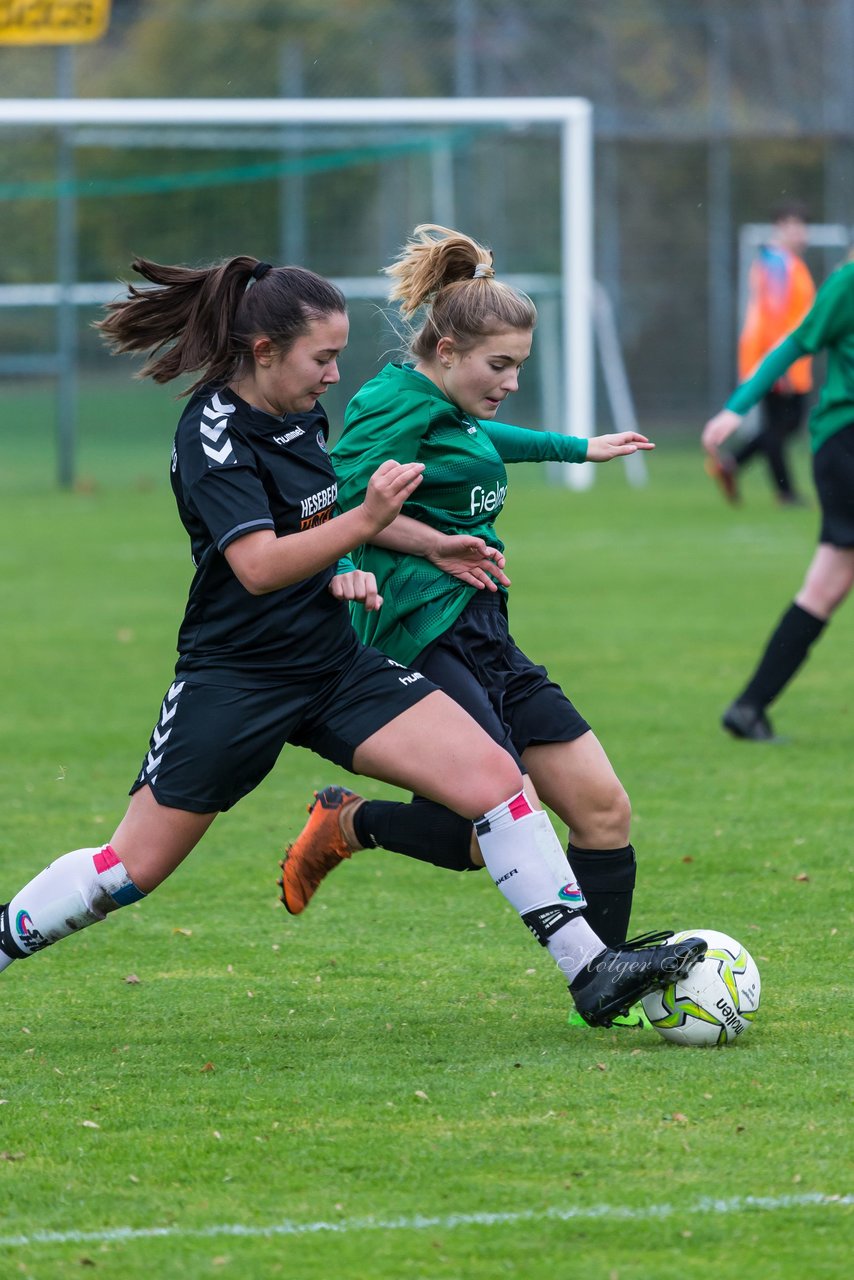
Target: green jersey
{"points": [[827, 326], [401, 414]]}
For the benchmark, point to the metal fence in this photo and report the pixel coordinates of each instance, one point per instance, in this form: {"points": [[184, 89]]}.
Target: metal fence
{"points": [[706, 113]]}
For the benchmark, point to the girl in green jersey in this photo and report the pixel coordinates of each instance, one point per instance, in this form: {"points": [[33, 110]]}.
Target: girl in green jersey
{"points": [[267, 652], [829, 327], [440, 572]]}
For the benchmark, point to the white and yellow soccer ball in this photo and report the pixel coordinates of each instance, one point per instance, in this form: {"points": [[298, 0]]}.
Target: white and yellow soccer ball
{"points": [[715, 1002]]}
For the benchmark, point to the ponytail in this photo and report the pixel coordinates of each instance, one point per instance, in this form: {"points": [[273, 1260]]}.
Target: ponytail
{"points": [[453, 276], [205, 319]]}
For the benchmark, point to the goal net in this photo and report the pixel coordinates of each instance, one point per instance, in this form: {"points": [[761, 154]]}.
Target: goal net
{"points": [[336, 185]]}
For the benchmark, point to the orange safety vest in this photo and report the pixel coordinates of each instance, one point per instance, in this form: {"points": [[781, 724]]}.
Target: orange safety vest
{"points": [[781, 292]]}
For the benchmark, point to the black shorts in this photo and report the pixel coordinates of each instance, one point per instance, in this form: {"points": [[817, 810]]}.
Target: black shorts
{"points": [[479, 664], [214, 743], [833, 472]]}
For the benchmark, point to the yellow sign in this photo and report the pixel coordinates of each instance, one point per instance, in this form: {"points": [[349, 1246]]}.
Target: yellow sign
{"points": [[52, 21]]}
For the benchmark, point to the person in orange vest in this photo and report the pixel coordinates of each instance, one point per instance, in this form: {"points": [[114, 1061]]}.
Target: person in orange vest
{"points": [[780, 293]]}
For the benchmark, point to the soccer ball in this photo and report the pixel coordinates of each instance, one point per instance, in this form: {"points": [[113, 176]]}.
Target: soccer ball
{"points": [[715, 1002]]}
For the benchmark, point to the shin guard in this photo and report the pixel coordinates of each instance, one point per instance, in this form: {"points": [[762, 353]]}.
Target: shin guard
{"points": [[77, 890]]}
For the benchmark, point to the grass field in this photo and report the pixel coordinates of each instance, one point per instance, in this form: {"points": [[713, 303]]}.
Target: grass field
{"points": [[386, 1088]]}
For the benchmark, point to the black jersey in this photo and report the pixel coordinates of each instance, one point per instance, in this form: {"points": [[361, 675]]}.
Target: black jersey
{"points": [[236, 469]]}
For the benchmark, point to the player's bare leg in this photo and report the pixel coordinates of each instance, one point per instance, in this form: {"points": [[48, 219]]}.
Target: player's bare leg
{"points": [[153, 839]]}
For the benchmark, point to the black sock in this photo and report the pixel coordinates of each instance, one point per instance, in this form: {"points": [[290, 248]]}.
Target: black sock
{"points": [[421, 829], [785, 651], [7, 942], [607, 880]]}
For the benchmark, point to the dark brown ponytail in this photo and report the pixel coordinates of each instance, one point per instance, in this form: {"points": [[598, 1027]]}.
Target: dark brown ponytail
{"points": [[205, 319]]}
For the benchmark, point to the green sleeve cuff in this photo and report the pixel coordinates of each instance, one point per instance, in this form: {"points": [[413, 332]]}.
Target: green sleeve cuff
{"points": [[521, 444], [769, 371], [344, 565]]}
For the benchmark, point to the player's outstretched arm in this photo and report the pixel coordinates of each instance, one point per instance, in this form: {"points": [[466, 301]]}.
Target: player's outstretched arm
{"points": [[264, 562], [604, 448]]}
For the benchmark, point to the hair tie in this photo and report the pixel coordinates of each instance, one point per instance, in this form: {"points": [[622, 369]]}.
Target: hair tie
{"points": [[483, 271], [260, 269]]}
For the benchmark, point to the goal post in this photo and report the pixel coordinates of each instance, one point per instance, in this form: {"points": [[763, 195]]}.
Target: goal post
{"points": [[571, 117]]}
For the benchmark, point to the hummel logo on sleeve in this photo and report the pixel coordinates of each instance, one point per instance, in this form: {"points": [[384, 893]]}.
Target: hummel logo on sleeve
{"points": [[213, 429]]}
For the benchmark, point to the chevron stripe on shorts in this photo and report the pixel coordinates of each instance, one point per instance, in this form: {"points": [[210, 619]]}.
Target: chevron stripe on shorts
{"points": [[160, 735]]}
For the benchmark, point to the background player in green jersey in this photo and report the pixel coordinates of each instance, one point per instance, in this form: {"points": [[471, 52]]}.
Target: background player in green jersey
{"points": [[267, 654], [828, 326], [439, 569]]}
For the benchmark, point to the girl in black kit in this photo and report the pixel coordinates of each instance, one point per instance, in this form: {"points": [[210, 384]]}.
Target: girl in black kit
{"points": [[267, 654]]}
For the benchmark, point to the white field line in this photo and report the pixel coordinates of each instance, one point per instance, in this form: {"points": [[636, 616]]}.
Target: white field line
{"points": [[620, 1213]]}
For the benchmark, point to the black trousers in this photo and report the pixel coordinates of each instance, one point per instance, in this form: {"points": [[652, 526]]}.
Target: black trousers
{"points": [[781, 417]]}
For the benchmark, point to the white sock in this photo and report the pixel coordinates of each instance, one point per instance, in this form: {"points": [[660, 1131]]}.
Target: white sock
{"points": [[77, 890], [525, 859]]}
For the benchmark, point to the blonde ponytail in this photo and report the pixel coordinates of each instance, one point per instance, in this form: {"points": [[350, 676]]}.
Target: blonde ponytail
{"points": [[454, 277]]}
